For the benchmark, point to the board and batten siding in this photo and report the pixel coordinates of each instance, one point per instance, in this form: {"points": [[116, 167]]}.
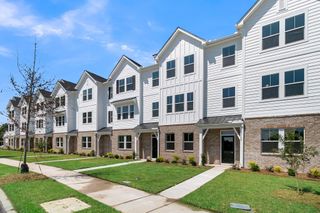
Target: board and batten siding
{"points": [[180, 47], [47, 119], [219, 77], [302, 54], [16, 119]]}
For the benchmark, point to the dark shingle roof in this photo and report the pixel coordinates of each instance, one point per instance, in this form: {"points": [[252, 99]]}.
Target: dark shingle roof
{"points": [[220, 119], [147, 126], [15, 101], [96, 77], [105, 129], [45, 93], [67, 85], [133, 61]]}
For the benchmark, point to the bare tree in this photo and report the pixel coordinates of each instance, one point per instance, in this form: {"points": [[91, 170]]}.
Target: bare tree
{"points": [[32, 81]]}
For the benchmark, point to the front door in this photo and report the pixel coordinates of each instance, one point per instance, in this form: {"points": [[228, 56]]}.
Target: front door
{"points": [[227, 143], [154, 147]]}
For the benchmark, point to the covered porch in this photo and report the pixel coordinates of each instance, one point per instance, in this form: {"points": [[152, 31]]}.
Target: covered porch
{"points": [[221, 140], [147, 140], [104, 144]]}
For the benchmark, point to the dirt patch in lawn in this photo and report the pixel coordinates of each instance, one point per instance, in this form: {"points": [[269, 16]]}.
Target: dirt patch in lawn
{"points": [[305, 198], [20, 178]]}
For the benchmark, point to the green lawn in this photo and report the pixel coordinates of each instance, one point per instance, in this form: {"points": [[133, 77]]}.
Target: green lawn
{"points": [[150, 177], [27, 195], [7, 170], [264, 193], [85, 163]]}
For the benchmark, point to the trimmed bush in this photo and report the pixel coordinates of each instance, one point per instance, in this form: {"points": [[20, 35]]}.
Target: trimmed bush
{"points": [[160, 160], [129, 157], [192, 161], [176, 158], [314, 172], [291, 172], [167, 161], [50, 151], [203, 159], [253, 166], [60, 151], [184, 162], [277, 169], [269, 168], [116, 156], [91, 153]]}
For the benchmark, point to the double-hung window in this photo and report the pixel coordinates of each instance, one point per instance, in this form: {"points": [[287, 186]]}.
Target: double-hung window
{"points": [[171, 69], [119, 113], [179, 103], [125, 142], [270, 35], [170, 140], [295, 27], [155, 78], [125, 112], [62, 100], [57, 102], [190, 101], [169, 104], [188, 141], [294, 139], [86, 142], [229, 97], [87, 117], [270, 140], [110, 117], [84, 118], [188, 64], [85, 95], [155, 109], [60, 120], [131, 111], [24, 111], [121, 85], [294, 83], [110, 93], [229, 56], [59, 142], [130, 83], [270, 86], [90, 94]]}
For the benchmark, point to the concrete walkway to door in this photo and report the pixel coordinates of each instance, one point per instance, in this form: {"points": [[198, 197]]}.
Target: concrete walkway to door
{"points": [[180, 190], [122, 198]]}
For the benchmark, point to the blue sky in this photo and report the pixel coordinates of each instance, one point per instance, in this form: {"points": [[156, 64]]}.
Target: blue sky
{"points": [[75, 35]]}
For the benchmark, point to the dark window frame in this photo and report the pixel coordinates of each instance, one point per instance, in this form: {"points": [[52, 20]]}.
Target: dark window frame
{"points": [[271, 35], [229, 96], [179, 103], [227, 54], [187, 136], [171, 69], [155, 109], [274, 83], [170, 140], [189, 64]]}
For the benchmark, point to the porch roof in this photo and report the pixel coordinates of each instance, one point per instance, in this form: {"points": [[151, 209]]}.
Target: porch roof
{"points": [[105, 131], [124, 101], [147, 127], [73, 133], [227, 121]]}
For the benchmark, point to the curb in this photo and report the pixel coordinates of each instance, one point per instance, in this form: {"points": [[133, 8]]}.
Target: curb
{"points": [[5, 204]]}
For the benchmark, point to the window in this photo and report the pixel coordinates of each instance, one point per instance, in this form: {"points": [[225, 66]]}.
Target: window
{"points": [[170, 142], [229, 56], [188, 64], [294, 83], [125, 112], [171, 69], [39, 124], [24, 111], [84, 95], [131, 111], [270, 140], [190, 101], [62, 100], [125, 142], [229, 97], [155, 79], [11, 127], [120, 86], [129, 83], [90, 94], [59, 142], [87, 117], [119, 113], [110, 93], [60, 120], [84, 118], [11, 114], [169, 104], [86, 142], [57, 102], [110, 117], [295, 28], [155, 109], [188, 141], [270, 86], [294, 139], [270, 35], [179, 103]]}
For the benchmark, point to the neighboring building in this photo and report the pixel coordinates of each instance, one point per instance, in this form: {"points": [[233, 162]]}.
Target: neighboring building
{"points": [[13, 134], [23, 106]]}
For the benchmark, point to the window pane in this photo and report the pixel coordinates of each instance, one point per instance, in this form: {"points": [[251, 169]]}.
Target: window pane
{"points": [[188, 68], [155, 75], [190, 96], [294, 89], [299, 21], [294, 147], [188, 146], [171, 73], [270, 42], [289, 77], [294, 35], [228, 102], [169, 146], [299, 75], [266, 31], [270, 147], [228, 61], [289, 23], [275, 28], [125, 112], [272, 92], [275, 79]]}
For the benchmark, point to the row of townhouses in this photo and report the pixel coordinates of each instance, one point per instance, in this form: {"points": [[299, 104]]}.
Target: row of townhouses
{"points": [[229, 99]]}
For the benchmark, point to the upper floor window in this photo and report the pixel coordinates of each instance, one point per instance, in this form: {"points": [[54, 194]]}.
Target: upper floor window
{"points": [[229, 56], [11, 114], [86, 142], [39, 124], [87, 94], [155, 78], [24, 110], [294, 82], [131, 111], [131, 83], [24, 126], [188, 64], [11, 127], [60, 101], [270, 35], [155, 109], [169, 104], [60, 120], [119, 113], [295, 28], [87, 117], [229, 97], [110, 117], [170, 140], [171, 69], [188, 141], [270, 86], [120, 86], [179, 103], [125, 112], [110, 92], [190, 101]]}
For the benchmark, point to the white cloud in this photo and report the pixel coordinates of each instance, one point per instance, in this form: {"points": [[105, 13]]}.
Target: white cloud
{"points": [[5, 52], [154, 27], [125, 47]]}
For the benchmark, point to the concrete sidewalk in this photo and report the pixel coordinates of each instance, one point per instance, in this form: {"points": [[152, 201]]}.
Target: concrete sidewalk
{"points": [[192, 184], [69, 159], [122, 198], [109, 166]]}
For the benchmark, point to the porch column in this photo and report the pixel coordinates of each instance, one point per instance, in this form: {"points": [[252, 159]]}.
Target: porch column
{"points": [[98, 137], [200, 146], [241, 145], [66, 151], [136, 145]]}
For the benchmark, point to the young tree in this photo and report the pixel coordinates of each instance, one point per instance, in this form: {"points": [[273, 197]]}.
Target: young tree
{"points": [[296, 154], [32, 81]]}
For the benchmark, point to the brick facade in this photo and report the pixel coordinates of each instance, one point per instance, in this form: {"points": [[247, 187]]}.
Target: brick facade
{"points": [[311, 124], [115, 138], [81, 149]]}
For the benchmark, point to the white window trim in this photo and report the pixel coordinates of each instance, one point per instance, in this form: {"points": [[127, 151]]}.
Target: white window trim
{"points": [[125, 141], [174, 142], [235, 56], [152, 79], [175, 68], [235, 97], [184, 150], [86, 142]]}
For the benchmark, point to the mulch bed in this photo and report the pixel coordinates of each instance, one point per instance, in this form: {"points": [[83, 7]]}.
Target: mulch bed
{"points": [[21, 177]]}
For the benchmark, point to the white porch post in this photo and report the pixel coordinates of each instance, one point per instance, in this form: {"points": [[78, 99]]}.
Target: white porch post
{"points": [[242, 145], [200, 145], [158, 141], [136, 145], [67, 145], [98, 137]]}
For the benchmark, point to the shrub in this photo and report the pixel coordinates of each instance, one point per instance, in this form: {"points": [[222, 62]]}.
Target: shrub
{"points": [[314, 172], [176, 158], [91, 153], [167, 161], [133, 155], [277, 169], [129, 157], [160, 160], [269, 168], [184, 162], [116, 156], [50, 151], [253, 166], [203, 159], [60, 151], [120, 157], [109, 155], [192, 161], [82, 154], [291, 172]]}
